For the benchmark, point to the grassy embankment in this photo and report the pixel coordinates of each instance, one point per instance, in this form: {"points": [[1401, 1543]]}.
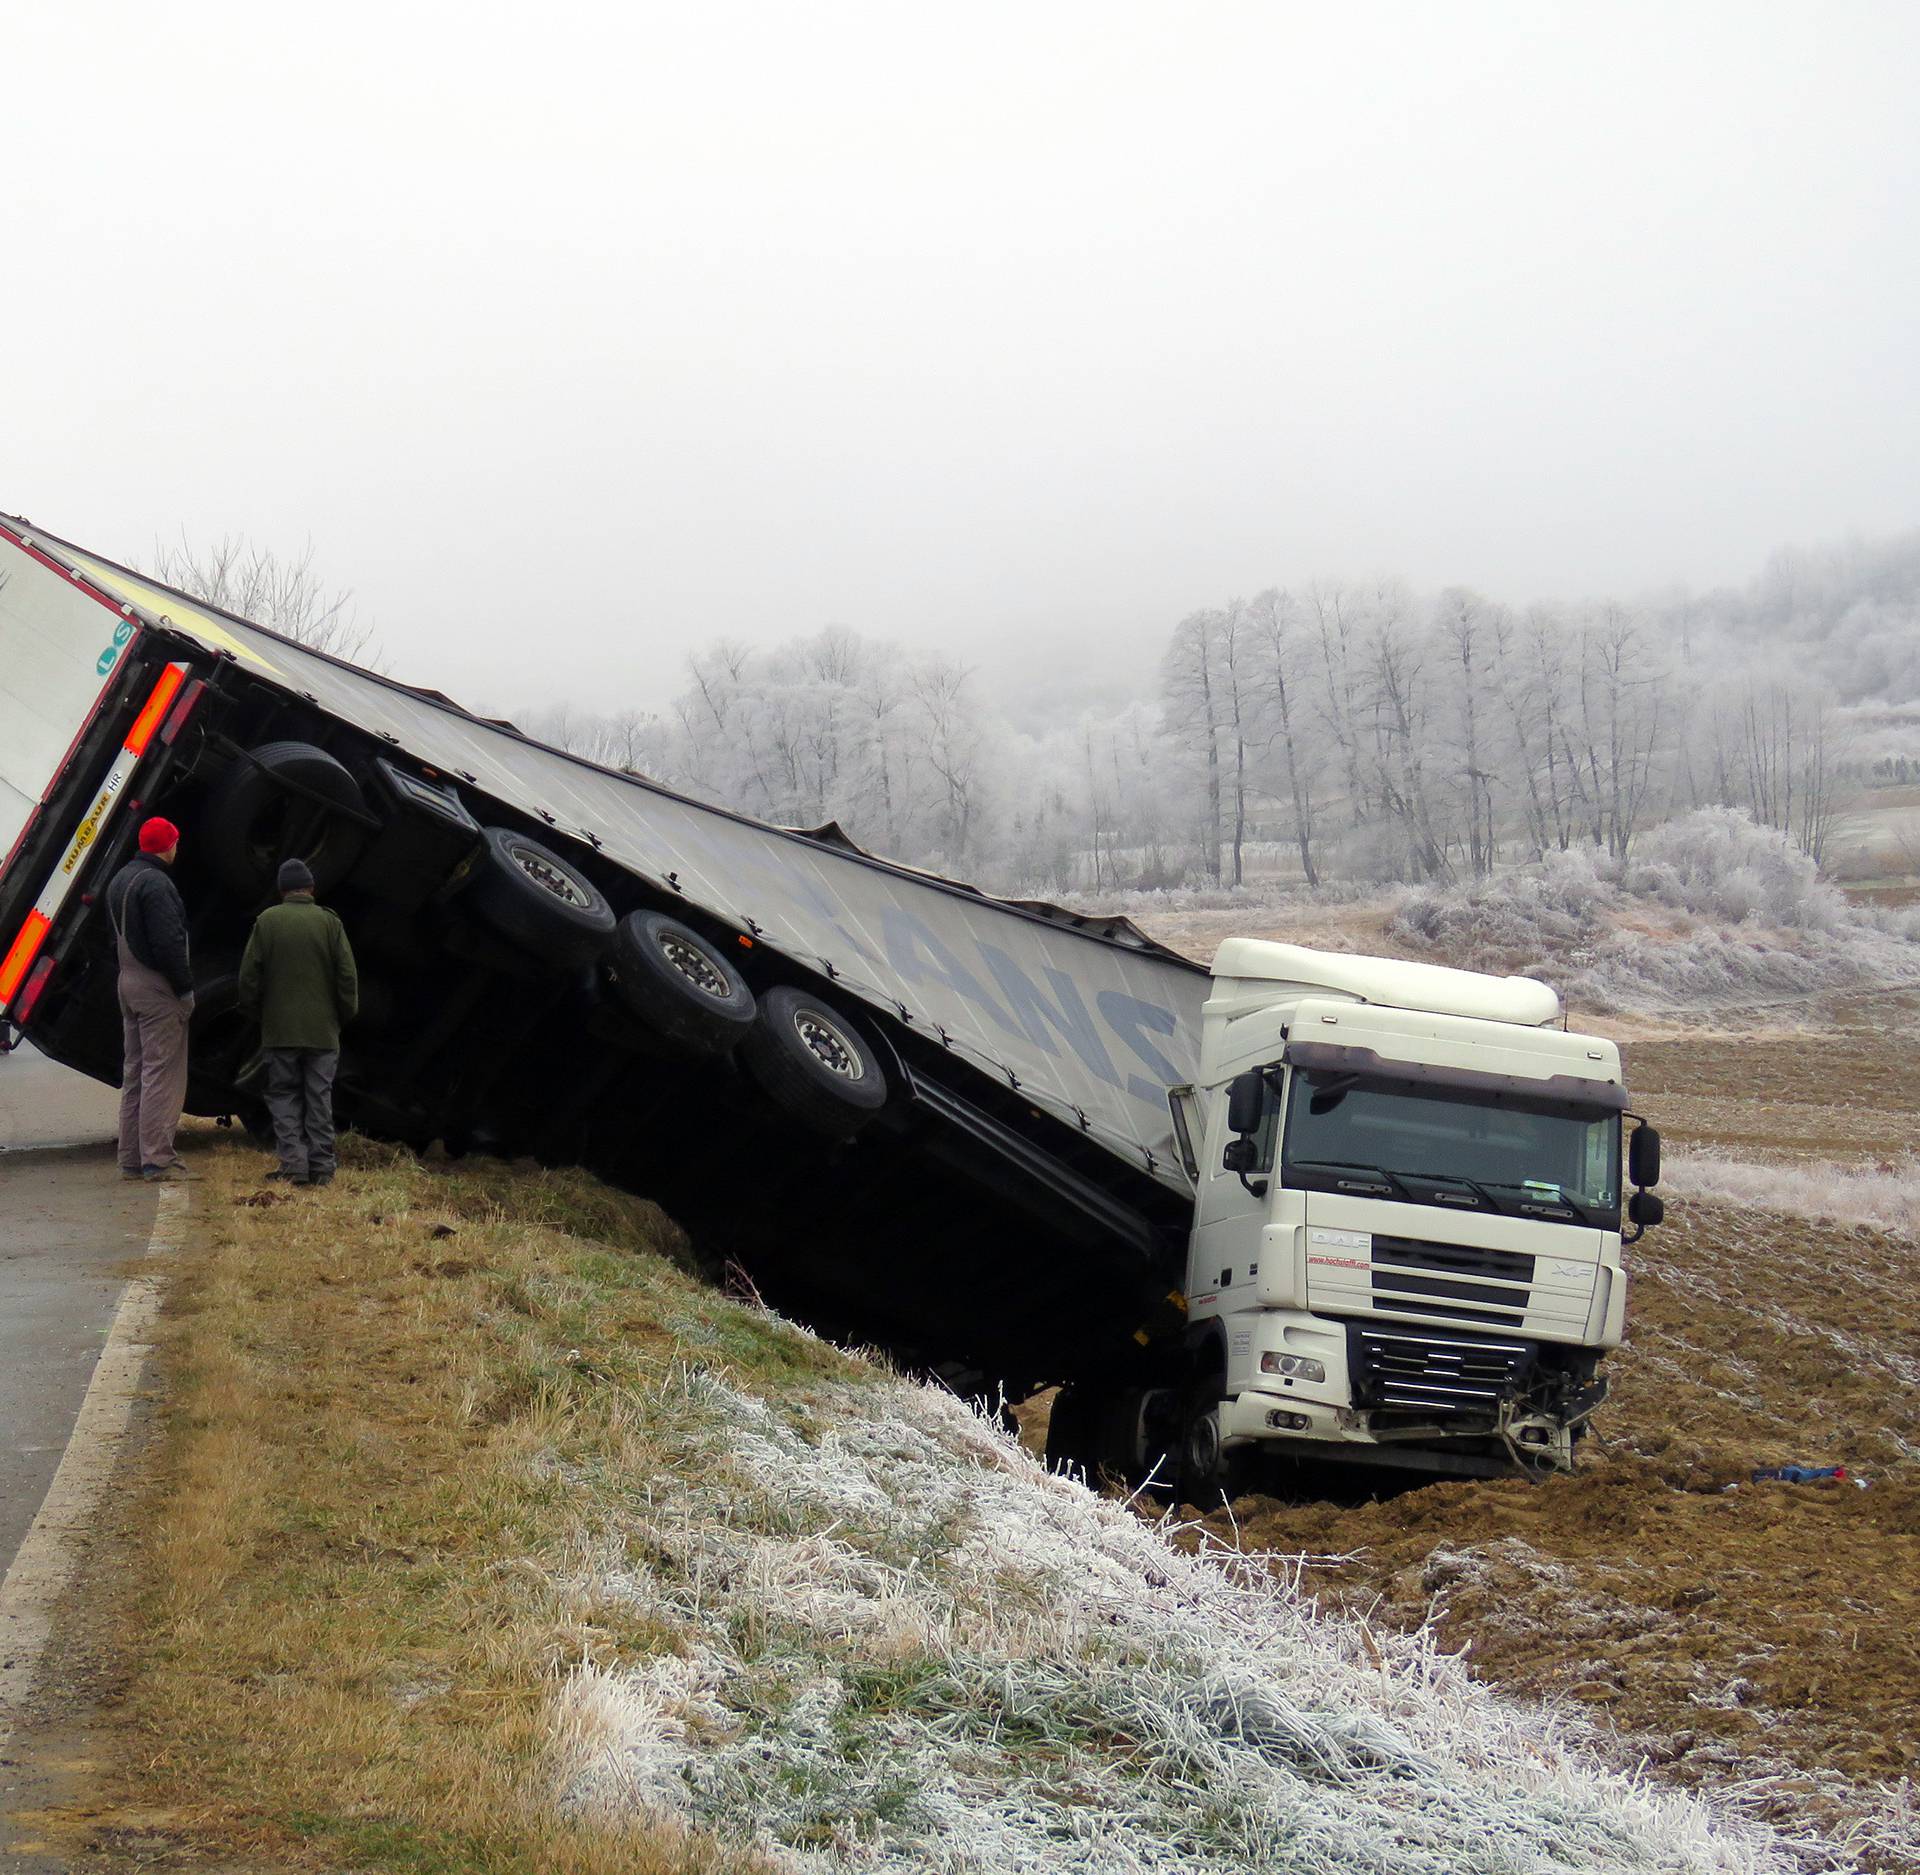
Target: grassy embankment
{"points": [[356, 1574], [479, 1535]]}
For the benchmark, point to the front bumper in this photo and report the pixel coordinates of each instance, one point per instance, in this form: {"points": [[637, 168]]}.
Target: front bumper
{"points": [[1415, 1387]]}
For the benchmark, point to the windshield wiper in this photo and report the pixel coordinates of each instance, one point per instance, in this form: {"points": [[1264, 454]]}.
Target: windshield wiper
{"points": [[1460, 1178], [1393, 1179], [1584, 1212]]}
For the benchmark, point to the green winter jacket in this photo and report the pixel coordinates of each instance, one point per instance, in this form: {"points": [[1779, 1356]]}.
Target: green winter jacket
{"points": [[298, 977]]}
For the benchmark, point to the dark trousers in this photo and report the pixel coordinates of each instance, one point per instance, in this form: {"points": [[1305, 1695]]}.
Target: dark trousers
{"points": [[300, 1098]]}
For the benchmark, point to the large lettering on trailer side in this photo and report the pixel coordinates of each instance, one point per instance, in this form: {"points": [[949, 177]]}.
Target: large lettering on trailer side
{"points": [[1095, 1031]]}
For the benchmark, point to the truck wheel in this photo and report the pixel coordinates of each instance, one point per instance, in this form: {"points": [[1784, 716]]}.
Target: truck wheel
{"points": [[540, 903], [252, 822], [682, 987], [220, 1038], [1070, 1432], [255, 1120], [810, 1059], [1208, 1476]]}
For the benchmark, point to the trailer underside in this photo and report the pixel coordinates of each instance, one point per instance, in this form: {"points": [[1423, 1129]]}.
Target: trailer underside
{"points": [[963, 1228]]}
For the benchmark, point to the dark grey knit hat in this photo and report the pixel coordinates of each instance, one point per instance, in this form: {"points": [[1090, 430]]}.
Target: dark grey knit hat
{"points": [[294, 876]]}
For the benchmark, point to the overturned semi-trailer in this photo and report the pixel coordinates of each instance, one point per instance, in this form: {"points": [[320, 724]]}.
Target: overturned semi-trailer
{"points": [[1312, 1204]]}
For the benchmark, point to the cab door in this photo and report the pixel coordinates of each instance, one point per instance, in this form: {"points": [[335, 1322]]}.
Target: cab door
{"points": [[1228, 1218]]}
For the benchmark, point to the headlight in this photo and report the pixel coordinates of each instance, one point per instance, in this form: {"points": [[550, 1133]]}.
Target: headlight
{"points": [[1292, 1366]]}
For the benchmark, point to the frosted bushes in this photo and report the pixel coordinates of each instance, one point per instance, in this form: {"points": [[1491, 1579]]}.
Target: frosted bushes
{"points": [[1054, 1686], [1897, 921], [1516, 920], [1717, 861], [1726, 968], [1886, 1195], [1712, 910], [1259, 895]]}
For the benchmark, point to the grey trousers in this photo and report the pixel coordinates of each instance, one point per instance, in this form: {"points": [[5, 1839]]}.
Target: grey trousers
{"points": [[300, 1098], [153, 1064]]}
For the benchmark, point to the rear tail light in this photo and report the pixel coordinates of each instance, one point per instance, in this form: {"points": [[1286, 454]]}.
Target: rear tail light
{"points": [[21, 953], [153, 713]]}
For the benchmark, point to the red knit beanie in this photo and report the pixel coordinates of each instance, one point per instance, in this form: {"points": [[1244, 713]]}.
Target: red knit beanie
{"points": [[158, 835]]}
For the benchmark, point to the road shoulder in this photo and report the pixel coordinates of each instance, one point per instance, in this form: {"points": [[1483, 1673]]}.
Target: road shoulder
{"points": [[52, 1621]]}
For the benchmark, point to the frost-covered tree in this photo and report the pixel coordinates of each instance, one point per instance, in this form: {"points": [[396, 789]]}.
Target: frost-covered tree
{"points": [[1328, 729], [284, 593]]}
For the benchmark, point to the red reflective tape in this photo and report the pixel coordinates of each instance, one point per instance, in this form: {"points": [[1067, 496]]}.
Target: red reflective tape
{"points": [[30, 996], [189, 699], [148, 720], [31, 936]]}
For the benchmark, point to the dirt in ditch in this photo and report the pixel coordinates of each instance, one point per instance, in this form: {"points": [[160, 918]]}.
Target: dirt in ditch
{"points": [[1727, 1630]]}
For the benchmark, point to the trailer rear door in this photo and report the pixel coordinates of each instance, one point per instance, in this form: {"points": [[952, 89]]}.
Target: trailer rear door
{"points": [[60, 645]]}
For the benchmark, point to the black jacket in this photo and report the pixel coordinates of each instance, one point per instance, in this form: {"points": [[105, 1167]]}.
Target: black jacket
{"points": [[144, 902]]}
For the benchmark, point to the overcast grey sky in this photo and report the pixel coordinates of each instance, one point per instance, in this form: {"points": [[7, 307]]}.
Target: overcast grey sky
{"points": [[575, 336]]}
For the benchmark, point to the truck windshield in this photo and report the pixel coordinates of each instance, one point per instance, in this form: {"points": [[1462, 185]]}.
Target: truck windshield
{"points": [[1447, 1147]]}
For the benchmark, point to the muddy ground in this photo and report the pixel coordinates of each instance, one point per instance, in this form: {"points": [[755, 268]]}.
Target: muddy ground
{"points": [[1732, 1633]]}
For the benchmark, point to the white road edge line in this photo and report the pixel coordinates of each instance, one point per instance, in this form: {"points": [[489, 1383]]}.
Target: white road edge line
{"points": [[44, 1563]]}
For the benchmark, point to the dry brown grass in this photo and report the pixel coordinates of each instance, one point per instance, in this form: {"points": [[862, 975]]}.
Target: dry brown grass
{"points": [[354, 1543]]}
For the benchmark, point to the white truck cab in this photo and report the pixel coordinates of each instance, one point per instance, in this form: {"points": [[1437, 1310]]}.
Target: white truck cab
{"points": [[1407, 1223]]}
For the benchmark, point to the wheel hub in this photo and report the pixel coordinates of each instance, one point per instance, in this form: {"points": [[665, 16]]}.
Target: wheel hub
{"points": [[694, 965], [551, 878], [1203, 1444], [828, 1046]]}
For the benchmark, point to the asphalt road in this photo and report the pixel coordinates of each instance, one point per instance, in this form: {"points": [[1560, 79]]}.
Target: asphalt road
{"points": [[69, 1227]]}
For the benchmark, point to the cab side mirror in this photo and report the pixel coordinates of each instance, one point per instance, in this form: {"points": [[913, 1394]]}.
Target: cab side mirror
{"points": [[1643, 1156], [1247, 1103], [1644, 1211]]}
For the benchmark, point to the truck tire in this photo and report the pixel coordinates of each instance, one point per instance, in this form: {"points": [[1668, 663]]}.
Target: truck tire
{"points": [[813, 1062], [684, 989], [252, 823], [1096, 1429], [1207, 1476], [220, 1038], [1070, 1435], [541, 904], [255, 1121]]}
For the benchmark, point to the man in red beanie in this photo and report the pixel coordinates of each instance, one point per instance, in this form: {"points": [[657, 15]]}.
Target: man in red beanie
{"points": [[156, 999]]}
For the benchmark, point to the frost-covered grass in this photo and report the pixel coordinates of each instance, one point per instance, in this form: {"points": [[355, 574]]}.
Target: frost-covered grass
{"points": [[1254, 895], [903, 1645], [545, 1559], [1886, 1195], [1711, 911]]}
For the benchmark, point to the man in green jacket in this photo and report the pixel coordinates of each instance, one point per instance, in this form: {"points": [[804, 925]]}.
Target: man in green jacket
{"points": [[297, 978]]}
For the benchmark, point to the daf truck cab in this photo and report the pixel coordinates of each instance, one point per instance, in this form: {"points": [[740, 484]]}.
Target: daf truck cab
{"points": [[1407, 1227]]}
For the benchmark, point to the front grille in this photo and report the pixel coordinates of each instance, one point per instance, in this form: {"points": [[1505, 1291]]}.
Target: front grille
{"points": [[1514, 1299], [1470, 1284], [1454, 1311], [1430, 1373], [1456, 1259]]}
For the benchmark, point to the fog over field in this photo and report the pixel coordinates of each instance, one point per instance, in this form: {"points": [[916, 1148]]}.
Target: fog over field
{"points": [[1335, 730], [581, 344]]}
